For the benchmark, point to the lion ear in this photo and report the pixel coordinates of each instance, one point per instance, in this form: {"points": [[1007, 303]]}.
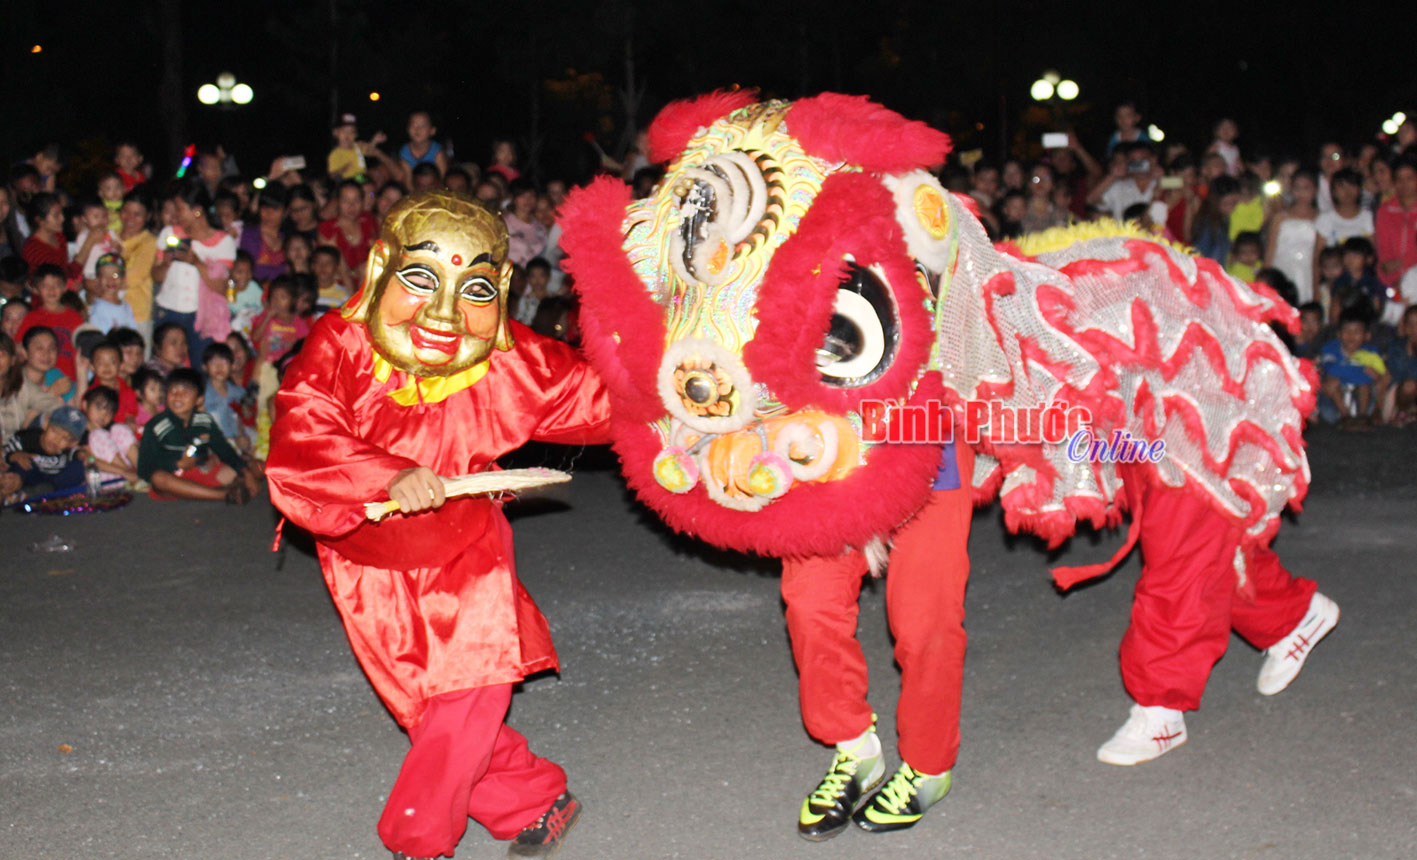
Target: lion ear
{"points": [[679, 122], [504, 325], [357, 308]]}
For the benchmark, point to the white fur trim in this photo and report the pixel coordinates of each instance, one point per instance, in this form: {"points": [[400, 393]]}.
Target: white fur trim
{"points": [[932, 253]]}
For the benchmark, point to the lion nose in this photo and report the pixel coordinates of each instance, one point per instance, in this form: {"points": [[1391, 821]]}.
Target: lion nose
{"points": [[706, 386]]}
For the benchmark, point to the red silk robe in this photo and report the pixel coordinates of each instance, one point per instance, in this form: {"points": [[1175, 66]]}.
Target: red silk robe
{"points": [[431, 602]]}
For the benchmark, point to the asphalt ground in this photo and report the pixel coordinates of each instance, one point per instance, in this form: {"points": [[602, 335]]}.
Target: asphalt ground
{"points": [[173, 689]]}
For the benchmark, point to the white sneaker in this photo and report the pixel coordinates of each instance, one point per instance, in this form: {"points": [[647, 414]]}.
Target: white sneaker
{"points": [[1285, 658], [1150, 732]]}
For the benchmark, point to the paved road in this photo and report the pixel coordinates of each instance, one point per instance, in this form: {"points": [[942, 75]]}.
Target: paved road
{"points": [[171, 689]]}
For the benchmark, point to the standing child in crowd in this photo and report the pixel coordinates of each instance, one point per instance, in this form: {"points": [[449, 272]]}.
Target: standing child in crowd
{"points": [[94, 240], [244, 295], [184, 454], [421, 147], [110, 194], [1353, 374], [1330, 269], [44, 460], [222, 395], [276, 331], [110, 445], [1358, 286], [107, 362], [1245, 257], [151, 391], [49, 311], [106, 310], [346, 160]]}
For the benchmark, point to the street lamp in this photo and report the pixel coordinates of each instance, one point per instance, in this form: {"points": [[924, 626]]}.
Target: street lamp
{"points": [[1053, 84], [226, 91]]}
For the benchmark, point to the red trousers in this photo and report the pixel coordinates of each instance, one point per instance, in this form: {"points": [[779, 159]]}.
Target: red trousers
{"points": [[464, 762], [929, 568], [1187, 603]]}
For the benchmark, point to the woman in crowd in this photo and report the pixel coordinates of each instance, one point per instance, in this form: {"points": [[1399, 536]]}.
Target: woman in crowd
{"points": [[352, 230], [264, 240], [1211, 231], [21, 400], [301, 209], [193, 263], [1292, 246]]}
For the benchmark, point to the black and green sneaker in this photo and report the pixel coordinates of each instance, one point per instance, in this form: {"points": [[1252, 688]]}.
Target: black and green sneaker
{"points": [[827, 810], [902, 801]]}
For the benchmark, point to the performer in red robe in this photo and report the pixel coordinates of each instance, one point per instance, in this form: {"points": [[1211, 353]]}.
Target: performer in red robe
{"points": [[422, 377]]}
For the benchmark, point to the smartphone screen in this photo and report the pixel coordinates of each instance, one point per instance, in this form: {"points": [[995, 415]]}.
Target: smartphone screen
{"points": [[1055, 140]]}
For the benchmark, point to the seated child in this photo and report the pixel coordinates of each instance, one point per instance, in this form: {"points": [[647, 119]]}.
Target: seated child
{"points": [[110, 445], [223, 396], [325, 266], [106, 309], [41, 461], [11, 316], [132, 348], [107, 361], [151, 390], [1307, 342], [1400, 406], [1353, 375], [1330, 268], [1246, 256], [184, 454]]}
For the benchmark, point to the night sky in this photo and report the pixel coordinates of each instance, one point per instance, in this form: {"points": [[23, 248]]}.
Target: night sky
{"points": [[549, 73]]}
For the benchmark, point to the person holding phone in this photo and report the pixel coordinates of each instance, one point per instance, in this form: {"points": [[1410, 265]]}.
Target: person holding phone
{"points": [[193, 264], [1132, 179]]}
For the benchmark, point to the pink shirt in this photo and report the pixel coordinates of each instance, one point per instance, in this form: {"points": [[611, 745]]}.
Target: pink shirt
{"points": [[111, 445]]}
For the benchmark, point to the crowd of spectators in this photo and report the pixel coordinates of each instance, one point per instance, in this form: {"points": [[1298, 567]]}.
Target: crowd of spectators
{"points": [[146, 321], [1334, 234]]}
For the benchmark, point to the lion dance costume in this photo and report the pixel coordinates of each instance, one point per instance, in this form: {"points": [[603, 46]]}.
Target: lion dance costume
{"points": [[785, 322], [422, 375]]}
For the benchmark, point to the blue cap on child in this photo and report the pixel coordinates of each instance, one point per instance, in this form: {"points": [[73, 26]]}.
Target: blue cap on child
{"points": [[69, 418]]}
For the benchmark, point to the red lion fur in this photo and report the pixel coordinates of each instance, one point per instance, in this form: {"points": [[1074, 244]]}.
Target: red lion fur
{"points": [[836, 127], [680, 121]]}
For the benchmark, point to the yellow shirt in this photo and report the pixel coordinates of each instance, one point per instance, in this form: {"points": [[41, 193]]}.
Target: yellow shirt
{"points": [[341, 158], [1248, 216], [139, 252]]}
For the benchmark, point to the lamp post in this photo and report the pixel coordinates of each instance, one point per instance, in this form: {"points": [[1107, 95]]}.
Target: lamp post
{"points": [[227, 92], [1053, 90]]}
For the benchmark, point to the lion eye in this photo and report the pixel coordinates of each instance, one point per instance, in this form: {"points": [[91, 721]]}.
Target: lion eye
{"points": [[418, 278], [861, 342]]}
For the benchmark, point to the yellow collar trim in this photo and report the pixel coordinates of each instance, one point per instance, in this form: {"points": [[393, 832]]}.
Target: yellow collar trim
{"points": [[432, 389]]}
